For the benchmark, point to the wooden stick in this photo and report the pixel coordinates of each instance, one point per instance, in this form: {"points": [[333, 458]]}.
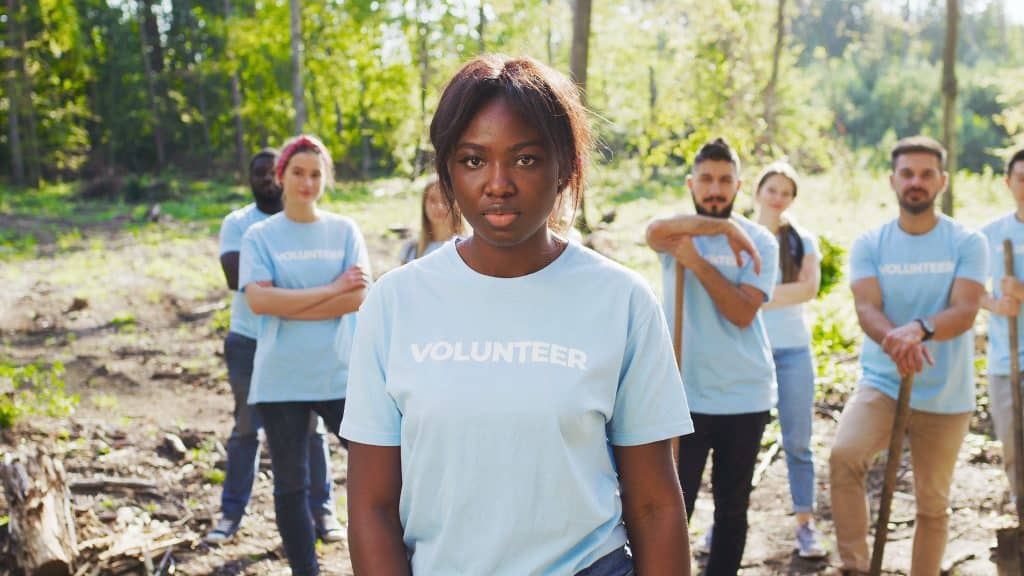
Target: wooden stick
{"points": [[677, 325], [677, 339], [892, 467], [1018, 424]]}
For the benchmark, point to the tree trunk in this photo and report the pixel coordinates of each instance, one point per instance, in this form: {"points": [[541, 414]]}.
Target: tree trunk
{"points": [[652, 86], [42, 526], [298, 93], [769, 92], [949, 100], [236, 104], [25, 88], [482, 46], [364, 137], [151, 86], [13, 95], [578, 69], [424, 63], [547, 36]]}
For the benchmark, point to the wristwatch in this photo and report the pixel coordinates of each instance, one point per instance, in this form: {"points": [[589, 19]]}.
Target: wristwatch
{"points": [[927, 327]]}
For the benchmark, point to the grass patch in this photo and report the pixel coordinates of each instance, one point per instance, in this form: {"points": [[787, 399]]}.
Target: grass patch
{"points": [[107, 402], [33, 389]]}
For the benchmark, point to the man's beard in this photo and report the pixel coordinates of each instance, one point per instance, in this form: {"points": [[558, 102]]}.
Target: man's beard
{"points": [[725, 212], [917, 208], [268, 198]]}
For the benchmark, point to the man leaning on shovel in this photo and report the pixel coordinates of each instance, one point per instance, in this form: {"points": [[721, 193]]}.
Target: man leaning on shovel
{"points": [[917, 284], [1003, 303]]}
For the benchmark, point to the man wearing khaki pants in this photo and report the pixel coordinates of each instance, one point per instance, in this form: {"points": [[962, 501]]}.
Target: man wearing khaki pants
{"points": [[917, 283]]}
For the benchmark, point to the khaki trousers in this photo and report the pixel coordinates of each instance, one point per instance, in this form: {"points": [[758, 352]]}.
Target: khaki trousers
{"points": [[864, 431]]}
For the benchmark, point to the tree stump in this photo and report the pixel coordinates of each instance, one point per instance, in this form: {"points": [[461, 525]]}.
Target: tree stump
{"points": [[42, 527]]}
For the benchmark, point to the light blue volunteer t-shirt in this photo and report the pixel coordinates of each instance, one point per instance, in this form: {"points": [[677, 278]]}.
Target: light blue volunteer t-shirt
{"points": [[998, 329], [408, 252], [916, 273], [786, 327], [301, 360], [505, 395], [726, 369], [243, 321]]}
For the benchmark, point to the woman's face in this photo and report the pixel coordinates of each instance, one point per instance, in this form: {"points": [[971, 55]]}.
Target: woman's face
{"points": [[437, 210], [776, 193], [303, 179], [505, 179]]}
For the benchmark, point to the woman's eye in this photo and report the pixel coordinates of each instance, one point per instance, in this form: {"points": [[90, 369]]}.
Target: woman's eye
{"points": [[472, 161], [526, 160]]}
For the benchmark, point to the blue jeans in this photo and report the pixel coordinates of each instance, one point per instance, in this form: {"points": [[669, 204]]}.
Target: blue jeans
{"points": [[794, 370], [243, 447], [615, 563], [287, 427]]}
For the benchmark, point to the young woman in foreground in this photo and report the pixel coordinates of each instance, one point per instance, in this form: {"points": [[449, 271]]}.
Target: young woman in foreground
{"points": [[512, 395]]}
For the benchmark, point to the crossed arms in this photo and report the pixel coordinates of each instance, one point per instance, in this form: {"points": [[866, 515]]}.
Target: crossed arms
{"points": [[674, 235], [341, 296]]}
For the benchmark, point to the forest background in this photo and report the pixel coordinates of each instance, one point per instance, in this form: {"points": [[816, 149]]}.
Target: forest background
{"points": [[95, 89]]}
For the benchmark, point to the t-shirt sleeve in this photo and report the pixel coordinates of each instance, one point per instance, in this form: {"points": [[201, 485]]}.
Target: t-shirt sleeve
{"points": [[371, 415], [356, 253], [768, 248], [862, 260], [230, 235], [972, 262], [810, 242], [650, 404], [254, 262]]}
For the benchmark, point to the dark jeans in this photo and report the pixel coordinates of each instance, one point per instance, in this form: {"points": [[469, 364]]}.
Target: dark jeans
{"points": [[616, 563], [243, 448], [287, 428], [734, 441]]}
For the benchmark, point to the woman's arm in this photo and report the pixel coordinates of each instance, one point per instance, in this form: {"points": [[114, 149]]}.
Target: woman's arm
{"points": [[653, 509], [333, 307], [804, 289], [374, 526], [265, 299]]}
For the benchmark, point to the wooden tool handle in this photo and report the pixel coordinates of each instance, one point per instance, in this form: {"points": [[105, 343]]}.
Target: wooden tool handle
{"points": [[1018, 417], [677, 324], [892, 468]]}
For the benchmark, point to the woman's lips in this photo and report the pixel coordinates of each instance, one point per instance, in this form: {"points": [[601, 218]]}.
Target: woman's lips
{"points": [[500, 219]]}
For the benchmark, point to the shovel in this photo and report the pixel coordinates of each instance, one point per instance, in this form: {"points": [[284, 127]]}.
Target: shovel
{"points": [[1009, 551], [892, 467]]}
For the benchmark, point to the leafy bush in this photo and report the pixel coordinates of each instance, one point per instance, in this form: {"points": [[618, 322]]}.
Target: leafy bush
{"points": [[832, 256], [33, 389]]}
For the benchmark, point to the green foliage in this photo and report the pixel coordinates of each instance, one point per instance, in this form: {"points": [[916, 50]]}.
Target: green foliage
{"points": [[832, 255], [214, 476], [33, 389], [663, 77]]}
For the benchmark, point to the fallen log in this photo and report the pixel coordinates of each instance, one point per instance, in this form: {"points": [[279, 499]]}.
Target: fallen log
{"points": [[42, 526]]}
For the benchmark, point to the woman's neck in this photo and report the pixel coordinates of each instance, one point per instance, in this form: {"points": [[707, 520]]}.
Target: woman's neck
{"points": [[511, 261], [440, 233], [302, 213], [770, 220]]}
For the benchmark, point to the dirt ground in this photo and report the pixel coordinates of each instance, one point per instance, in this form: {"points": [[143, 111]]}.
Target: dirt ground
{"points": [[137, 321]]}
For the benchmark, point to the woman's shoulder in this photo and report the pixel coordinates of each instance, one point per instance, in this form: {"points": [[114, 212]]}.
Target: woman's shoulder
{"points": [[264, 227], [590, 267]]}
